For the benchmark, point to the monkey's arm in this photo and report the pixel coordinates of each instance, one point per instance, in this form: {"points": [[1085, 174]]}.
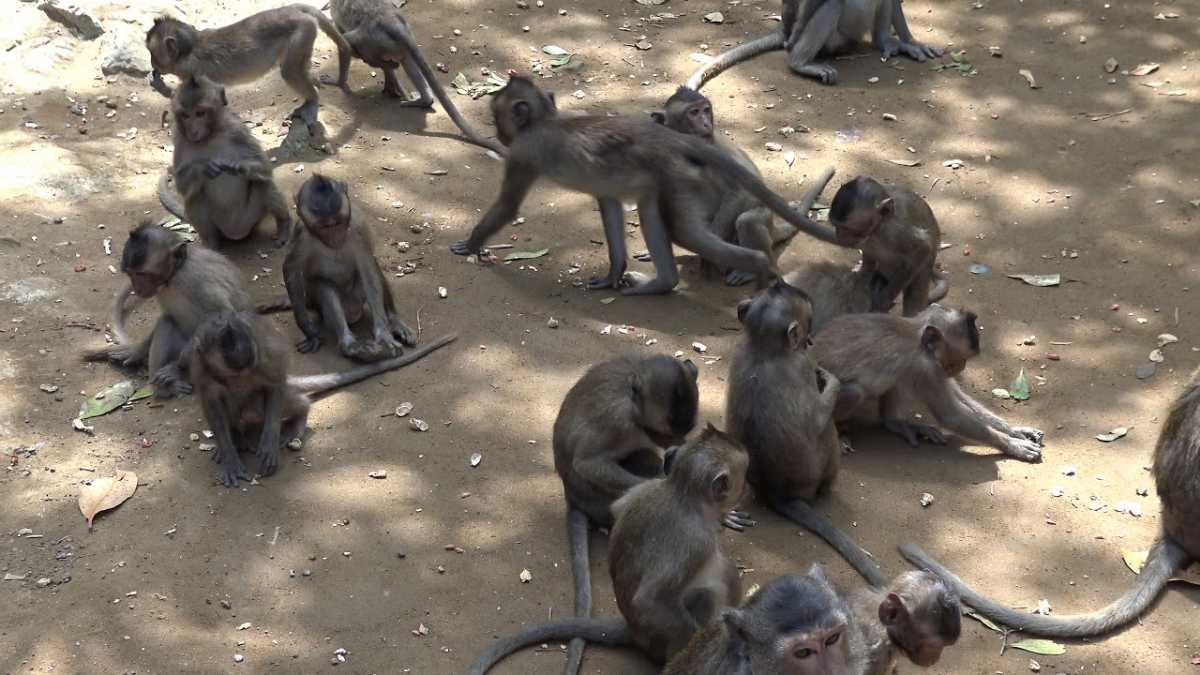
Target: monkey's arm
{"points": [[992, 419], [830, 389], [372, 283], [518, 179], [604, 471], [158, 84], [230, 467], [952, 412], [905, 44], [268, 443], [297, 290]]}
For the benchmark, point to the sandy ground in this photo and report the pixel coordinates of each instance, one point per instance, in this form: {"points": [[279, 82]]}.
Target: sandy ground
{"points": [[417, 572]]}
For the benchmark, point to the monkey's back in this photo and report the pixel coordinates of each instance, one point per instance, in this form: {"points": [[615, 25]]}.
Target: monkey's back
{"points": [[835, 289], [208, 283], [873, 350], [1176, 467]]}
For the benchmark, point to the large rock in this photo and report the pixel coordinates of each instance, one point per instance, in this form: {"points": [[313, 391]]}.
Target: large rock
{"points": [[123, 50], [75, 17]]}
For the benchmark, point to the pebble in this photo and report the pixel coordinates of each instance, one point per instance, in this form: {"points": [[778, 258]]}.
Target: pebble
{"points": [[238, 658], [552, 323], [1068, 470]]}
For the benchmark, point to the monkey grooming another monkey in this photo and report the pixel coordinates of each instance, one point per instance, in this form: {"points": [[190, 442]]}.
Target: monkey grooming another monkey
{"points": [[668, 571], [1176, 470], [190, 283], [889, 359], [813, 28], [331, 267], [378, 34], [242, 52], [239, 367], [615, 158], [834, 289], [224, 176]]}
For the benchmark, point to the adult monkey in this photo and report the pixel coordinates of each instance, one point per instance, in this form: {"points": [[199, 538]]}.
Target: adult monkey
{"points": [[1177, 477], [614, 158], [828, 28], [379, 35]]}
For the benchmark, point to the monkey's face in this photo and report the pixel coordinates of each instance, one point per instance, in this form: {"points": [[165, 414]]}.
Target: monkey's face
{"points": [[145, 284], [332, 230], [822, 651], [699, 119], [859, 224], [236, 347], [196, 122]]}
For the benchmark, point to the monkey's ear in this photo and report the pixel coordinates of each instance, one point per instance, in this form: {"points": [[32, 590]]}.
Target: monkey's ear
{"points": [[885, 207], [691, 368], [795, 336], [172, 46], [742, 308], [179, 253], [891, 610], [669, 459], [720, 486], [658, 117], [930, 337]]}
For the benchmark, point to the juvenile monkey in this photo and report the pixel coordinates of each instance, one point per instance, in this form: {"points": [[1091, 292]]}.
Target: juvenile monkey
{"points": [[615, 158], [190, 283], [244, 51], [812, 28], [888, 359], [668, 571], [1176, 472], [836, 289], [239, 367], [378, 34], [219, 167], [331, 268]]}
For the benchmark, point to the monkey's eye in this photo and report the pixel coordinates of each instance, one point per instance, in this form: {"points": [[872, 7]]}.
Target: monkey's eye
{"points": [[832, 639], [802, 653], [201, 113]]}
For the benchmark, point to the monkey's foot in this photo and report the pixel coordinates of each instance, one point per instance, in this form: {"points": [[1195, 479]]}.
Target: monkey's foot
{"points": [[1022, 449], [268, 459], [1030, 433], [739, 278], [912, 432], [309, 344], [603, 281], [403, 333], [823, 72], [169, 382], [232, 470], [426, 103], [306, 113], [640, 284], [738, 520], [914, 50], [331, 81]]}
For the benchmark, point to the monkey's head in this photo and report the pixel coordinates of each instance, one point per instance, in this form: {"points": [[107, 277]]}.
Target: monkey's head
{"points": [[666, 398], [323, 205], [151, 257], [711, 467], [794, 625], [688, 112], [949, 337], [519, 106], [858, 208], [168, 41], [227, 345], [921, 615], [199, 109], [779, 316]]}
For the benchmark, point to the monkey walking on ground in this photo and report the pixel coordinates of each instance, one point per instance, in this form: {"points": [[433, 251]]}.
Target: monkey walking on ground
{"points": [[669, 573], [244, 51], [190, 283], [885, 359], [225, 178], [378, 34], [812, 28], [616, 158], [1176, 470], [239, 366]]}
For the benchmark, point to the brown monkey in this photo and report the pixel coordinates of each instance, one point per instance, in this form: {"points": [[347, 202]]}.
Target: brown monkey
{"points": [[1176, 472], [190, 283], [244, 51], [826, 27], [331, 267], [916, 615], [886, 358], [240, 369], [614, 158], [220, 169], [378, 34], [668, 571], [837, 289]]}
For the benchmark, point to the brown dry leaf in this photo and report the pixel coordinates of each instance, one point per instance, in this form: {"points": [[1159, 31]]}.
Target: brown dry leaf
{"points": [[906, 162], [1136, 560], [1028, 75], [106, 493], [1144, 69]]}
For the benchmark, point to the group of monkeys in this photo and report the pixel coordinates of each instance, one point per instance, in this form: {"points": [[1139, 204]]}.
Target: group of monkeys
{"points": [[819, 348]]}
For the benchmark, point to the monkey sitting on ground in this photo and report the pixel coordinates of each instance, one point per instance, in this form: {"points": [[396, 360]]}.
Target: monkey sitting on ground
{"points": [[825, 28], [239, 367], [243, 51], [668, 571], [190, 283], [378, 34], [615, 158], [224, 176], [1176, 472], [890, 359], [738, 219]]}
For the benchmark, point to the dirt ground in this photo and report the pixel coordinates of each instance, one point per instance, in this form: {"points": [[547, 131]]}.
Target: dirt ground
{"points": [[1091, 176]]}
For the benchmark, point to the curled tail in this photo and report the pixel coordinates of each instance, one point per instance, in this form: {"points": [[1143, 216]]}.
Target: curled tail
{"points": [[727, 59], [814, 190], [169, 199], [1166, 559], [610, 632], [940, 286], [326, 382], [819, 524], [123, 304], [577, 539], [277, 305], [343, 47]]}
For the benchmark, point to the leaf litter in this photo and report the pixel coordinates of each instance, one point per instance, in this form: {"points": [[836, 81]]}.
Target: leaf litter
{"points": [[106, 493]]}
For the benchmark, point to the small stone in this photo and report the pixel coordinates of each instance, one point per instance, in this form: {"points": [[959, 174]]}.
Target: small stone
{"points": [[552, 323], [295, 444], [225, 604], [238, 658], [889, 117], [700, 347], [1035, 666], [773, 146], [926, 499], [1142, 492], [1068, 470], [476, 458], [526, 576], [714, 17], [49, 388], [43, 582], [307, 573], [442, 292], [418, 425], [873, 79], [403, 246], [244, 626], [1056, 491], [378, 475], [404, 409]]}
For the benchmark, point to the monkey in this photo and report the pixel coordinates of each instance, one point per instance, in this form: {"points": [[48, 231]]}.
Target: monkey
{"points": [[888, 358], [668, 570], [243, 51], [825, 27], [613, 158], [836, 289], [190, 284], [220, 169], [239, 367], [1175, 467], [378, 34]]}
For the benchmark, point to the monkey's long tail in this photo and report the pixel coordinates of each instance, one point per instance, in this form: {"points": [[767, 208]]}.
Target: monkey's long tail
{"points": [[1166, 558], [277, 305], [814, 190], [819, 524], [577, 538], [609, 632], [326, 382], [727, 59], [343, 47], [940, 287], [169, 199], [124, 302]]}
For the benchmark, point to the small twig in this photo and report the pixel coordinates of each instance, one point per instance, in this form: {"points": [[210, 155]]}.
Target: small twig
{"points": [[1096, 117], [935, 182], [501, 246], [419, 322], [275, 537]]}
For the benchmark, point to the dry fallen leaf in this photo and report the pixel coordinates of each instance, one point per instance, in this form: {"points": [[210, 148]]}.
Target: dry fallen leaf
{"points": [[1144, 69], [1028, 75], [1136, 560], [906, 162], [106, 493]]}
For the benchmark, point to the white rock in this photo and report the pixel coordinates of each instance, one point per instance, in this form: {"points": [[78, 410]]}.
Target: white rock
{"points": [[76, 17], [123, 50]]}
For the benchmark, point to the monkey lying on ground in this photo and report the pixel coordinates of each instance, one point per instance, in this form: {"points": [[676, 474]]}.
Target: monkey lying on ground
{"points": [[738, 218], [219, 167], [668, 571], [825, 28], [886, 358], [191, 283], [1176, 472], [615, 158], [239, 367], [378, 34], [836, 289], [243, 51]]}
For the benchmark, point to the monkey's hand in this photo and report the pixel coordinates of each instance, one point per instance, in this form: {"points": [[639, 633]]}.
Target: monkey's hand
{"points": [[212, 169], [464, 247], [268, 456], [913, 50], [612, 279], [1030, 433], [231, 470], [170, 382], [636, 283], [738, 521], [157, 83], [739, 277], [913, 433], [311, 341], [1022, 449]]}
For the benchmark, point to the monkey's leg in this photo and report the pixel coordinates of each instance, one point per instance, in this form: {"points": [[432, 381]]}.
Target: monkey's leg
{"points": [[373, 290], [167, 362], [230, 465], [893, 17], [814, 36], [334, 318], [911, 432], [400, 329], [517, 182], [995, 421], [294, 67], [754, 232], [951, 410], [268, 443], [131, 355], [424, 97], [278, 208], [729, 256], [658, 240], [916, 292], [391, 85], [613, 218]]}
